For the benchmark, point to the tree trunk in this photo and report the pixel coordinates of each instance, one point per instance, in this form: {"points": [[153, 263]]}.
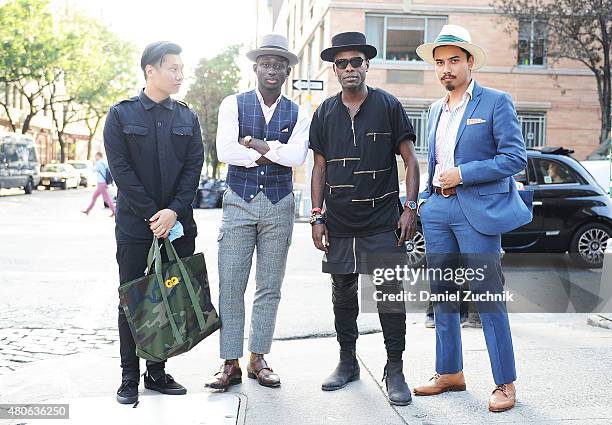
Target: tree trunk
{"points": [[60, 140], [26, 122]]}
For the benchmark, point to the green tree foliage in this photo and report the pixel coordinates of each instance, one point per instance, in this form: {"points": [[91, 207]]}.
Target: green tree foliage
{"points": [[579, 30], [70, 64], [215, 79]]}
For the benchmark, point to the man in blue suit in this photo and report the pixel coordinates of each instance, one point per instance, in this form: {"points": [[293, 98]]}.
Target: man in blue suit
{"points": [[475, 147]]}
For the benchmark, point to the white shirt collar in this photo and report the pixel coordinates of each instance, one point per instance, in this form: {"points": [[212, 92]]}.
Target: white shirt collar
{"points": [[468, 93], [261, 99]]}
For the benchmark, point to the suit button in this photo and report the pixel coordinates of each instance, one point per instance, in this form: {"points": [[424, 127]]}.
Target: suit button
{"points": [[252, 196], [262, 173], [261, 186], [159, 123]]}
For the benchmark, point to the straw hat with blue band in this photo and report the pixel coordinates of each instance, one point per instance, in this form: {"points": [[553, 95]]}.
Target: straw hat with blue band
{"points": [[453, 35]]}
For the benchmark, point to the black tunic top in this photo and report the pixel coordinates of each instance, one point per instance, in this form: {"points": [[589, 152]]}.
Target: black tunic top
{"points": [[361, 181]]}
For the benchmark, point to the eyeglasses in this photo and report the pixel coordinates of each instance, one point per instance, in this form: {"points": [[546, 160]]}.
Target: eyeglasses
{"points": [[355, 62]]}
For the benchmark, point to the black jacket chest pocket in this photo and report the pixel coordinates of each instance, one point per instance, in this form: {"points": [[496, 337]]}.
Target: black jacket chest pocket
{"points": [[181, 136], [378, 136], [136, 137]]}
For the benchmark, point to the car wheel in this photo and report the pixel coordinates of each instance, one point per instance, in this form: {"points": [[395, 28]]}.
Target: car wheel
{"points": [[589, 245], [29, 187], [416, 249], [64, 185]]}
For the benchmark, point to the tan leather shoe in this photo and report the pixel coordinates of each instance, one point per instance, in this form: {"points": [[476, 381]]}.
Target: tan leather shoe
{"points": [[258, 369], [439, 384], [229, 374], [503, 398]]}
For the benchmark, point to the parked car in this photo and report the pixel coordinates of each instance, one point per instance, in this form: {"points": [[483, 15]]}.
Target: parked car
{"points": [[209, 193], [86, 171], [601, 171], [571, 211], [18, 162], [59, 175]]}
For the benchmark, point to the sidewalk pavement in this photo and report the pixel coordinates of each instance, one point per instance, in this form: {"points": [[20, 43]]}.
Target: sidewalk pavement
{"points": [[563, 367]]}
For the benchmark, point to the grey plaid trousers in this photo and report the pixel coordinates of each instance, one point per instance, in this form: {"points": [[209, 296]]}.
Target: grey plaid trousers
{"points": [[245, 226]]}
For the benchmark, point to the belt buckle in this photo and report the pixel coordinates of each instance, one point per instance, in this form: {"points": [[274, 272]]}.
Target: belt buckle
{"points": [[443, 194]]}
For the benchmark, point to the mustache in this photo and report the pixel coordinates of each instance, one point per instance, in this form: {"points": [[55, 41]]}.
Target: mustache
{"points": [[447, 76]]}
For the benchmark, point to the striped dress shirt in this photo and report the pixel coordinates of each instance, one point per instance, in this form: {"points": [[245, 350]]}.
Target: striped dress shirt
{"points": [[446, 134]]}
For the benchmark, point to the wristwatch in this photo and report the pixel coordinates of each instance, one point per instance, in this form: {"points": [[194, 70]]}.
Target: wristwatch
{"points": [[411, 205], [247, 140]]}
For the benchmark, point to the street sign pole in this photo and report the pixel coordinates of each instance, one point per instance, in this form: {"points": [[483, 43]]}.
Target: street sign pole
{"points": [[307, 85]]}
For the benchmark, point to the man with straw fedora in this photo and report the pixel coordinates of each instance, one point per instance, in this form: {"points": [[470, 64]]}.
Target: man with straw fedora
{"points": [[261, 135], [475, 148]]}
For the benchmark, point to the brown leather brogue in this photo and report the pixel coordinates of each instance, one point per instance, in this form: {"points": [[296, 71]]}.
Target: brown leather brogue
{"points": [[503, 398], [258, 369], [439, 384], [229, 374]]}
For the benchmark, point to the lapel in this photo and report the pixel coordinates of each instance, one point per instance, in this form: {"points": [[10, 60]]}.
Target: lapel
{"points": [[469, 110], [436, 112]]}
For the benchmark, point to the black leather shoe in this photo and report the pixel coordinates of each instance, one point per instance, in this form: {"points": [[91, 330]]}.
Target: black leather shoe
{"points": [[128, 392], [397, 389], [430, 322], [165, 384], [346, 371]]}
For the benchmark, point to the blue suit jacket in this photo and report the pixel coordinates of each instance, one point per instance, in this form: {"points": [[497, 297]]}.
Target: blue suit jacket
{"points": [[489, 154]]}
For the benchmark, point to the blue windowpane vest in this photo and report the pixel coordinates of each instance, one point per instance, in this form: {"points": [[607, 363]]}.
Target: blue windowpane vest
{"points": [[274, 180]]}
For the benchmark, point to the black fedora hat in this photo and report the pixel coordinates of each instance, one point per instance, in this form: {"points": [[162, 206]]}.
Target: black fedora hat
{"points": [[348, 41]]}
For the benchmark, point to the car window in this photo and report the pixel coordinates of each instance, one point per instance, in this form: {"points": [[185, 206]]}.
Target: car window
{"points": [[78, 165], [553, 172], [31, 154]]}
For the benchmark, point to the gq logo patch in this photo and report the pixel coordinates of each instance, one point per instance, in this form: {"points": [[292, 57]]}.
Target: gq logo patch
{"points": [[173, 281]]}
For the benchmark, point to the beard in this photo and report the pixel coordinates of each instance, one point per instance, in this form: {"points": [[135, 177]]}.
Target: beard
{"points": [[450, 86]]}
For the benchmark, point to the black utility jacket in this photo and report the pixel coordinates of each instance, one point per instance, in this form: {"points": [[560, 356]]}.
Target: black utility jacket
{"points": [[155, 155]]}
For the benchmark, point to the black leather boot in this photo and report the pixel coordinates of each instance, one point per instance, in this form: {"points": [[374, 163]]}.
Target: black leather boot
{"points": [[397, 389], [346, 371]]}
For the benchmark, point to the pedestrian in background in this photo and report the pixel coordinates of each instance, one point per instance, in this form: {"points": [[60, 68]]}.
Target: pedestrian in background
{"points": [[101, 169], [155, 153]]}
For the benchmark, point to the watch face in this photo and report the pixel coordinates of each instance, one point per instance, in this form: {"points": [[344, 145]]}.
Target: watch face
{"points": [[412, 205]]}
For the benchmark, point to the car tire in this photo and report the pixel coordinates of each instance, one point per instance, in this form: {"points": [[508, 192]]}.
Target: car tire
{"points": [[416, 249], [588, 245], [29, 187], [64, 185]]}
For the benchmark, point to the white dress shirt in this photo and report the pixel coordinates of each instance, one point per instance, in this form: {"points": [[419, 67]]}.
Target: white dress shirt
{"points": [[446, 134], [291, 154]]}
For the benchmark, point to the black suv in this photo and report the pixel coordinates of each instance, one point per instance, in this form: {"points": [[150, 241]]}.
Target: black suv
{"points": [[571, 211]]}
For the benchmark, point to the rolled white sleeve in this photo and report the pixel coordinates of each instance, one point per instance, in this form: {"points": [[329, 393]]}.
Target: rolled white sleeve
{"points": [[228, 148], [293, 153]]}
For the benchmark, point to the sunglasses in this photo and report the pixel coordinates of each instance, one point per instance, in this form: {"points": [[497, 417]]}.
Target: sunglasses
{"points": [[355, 62]]}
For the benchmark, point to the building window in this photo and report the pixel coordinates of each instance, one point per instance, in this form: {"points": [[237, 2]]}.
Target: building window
{"points": [[418, 119], [533, 126], [396, 37], [532, 43], [322, 44]]}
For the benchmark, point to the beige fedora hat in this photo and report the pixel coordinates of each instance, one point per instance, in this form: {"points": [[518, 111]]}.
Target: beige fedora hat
{"points": [[453, 35], [273, 44]]}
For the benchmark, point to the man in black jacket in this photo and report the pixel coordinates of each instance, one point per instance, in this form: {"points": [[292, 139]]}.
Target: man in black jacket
{"points": [[155, 153]]}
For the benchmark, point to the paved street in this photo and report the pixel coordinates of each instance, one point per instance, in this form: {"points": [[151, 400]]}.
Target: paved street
{"points": [[58, 312]]}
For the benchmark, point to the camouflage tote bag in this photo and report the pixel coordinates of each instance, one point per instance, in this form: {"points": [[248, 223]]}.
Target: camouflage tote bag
{"points": [[169, 310]]}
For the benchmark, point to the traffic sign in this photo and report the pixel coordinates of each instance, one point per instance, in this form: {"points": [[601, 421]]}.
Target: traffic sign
{"points": [[307, 84]]}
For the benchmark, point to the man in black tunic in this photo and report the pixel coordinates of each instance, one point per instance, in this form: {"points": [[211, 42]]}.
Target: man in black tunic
{"points": [[355, 136]]}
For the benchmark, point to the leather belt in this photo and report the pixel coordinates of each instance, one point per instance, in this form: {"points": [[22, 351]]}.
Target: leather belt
{"points": [[445, 192]]}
